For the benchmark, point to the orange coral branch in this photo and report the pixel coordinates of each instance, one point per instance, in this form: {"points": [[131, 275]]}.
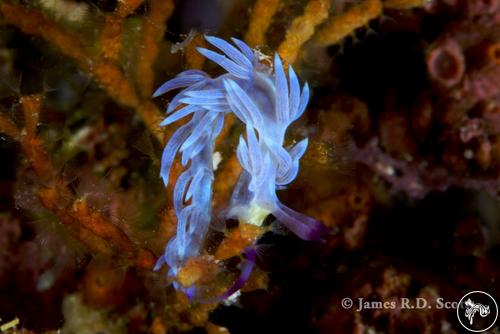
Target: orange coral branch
{"points": [[340, 26], [92, 241], [86, 224], [32, 22], [404, 4], [90, 227], [194, 59], [114, 82], [302, 29], [33, 148], [229, 169], [8, 127], [111, 34], [260, 20], [153, 31], [107, 74], [31, 108], [100, 226], [31, 145], [127, 7], [237, 240], [227, 177]]}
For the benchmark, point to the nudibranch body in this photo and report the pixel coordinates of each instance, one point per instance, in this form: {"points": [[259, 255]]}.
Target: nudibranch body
{"points": [[267, 102]]}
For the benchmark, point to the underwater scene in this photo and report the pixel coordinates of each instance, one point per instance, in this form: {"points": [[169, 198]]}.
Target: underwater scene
{"points": [[249, 166]]}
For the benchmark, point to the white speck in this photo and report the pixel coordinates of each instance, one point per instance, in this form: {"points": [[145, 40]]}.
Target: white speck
{"points": [[385, 169], [70, 11], [232, 299], [45, 281], [182, 45], [468, 154], [216, 159]]}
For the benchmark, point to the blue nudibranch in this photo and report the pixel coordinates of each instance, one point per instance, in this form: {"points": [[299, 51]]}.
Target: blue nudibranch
{"points": [[267, 102]]}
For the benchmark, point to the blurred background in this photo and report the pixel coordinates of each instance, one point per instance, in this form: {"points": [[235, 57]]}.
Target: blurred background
{"points": [[403, 165]]}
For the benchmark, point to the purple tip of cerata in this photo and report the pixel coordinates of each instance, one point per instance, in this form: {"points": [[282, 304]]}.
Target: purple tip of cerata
{"points": [[303, 226]]}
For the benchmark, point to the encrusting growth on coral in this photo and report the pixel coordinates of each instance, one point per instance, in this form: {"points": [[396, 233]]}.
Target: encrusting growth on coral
{"points": [[31, 144], [416, 180], [85, 224], [260, 20], [153, 30], [340, 26], [404, 4], [107, 73], [194, 59], [302, 29], [111, 33], [8, 127]]}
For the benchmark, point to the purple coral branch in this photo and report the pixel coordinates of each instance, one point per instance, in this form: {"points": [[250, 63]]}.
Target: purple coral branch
{"points": [[417, 179]]}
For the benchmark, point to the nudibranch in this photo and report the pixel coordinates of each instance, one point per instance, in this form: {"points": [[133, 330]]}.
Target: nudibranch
{"points": [[266, 101]]}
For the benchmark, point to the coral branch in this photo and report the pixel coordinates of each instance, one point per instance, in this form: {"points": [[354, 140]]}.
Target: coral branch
{"points": [[107, 74], [417, 180], [194, 59], [31, 107], [404, 4], [51, 199], [8, 127], [35, 152], [127, 7], [340, 26], [86, 224], [111, 32], [92, 228], [228, 176], [114, 82], [302, 29], [237, 240], [100, 226], [153, 31], [31, 145], [32, 22], [111, 37], [260, 20]]}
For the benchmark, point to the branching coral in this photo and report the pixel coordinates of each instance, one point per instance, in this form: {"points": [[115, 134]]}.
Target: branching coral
{"points": [[153, 30], [340, 26], [417, 180], [8, 127], [106, 72], [260, 21], [429, 133], [302, 29], [86, 224], [404, 4], [112, 30], [267, 104]]}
